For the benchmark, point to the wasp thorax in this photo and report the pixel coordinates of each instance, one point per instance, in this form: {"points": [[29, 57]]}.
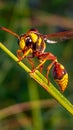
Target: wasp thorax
{"points": [[34, 37]]}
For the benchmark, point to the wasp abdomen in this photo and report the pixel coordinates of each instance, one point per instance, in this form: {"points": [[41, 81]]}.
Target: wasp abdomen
{"points": [[60, 76]]}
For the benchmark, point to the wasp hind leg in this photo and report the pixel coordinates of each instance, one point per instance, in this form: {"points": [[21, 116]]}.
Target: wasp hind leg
{"points": [[43, 58], [48, 70]]}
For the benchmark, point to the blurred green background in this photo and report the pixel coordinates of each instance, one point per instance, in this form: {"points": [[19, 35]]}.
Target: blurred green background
{"points": [[25, 105]]}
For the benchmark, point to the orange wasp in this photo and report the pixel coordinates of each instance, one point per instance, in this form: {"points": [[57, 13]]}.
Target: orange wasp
{"points": [[32, 44]]}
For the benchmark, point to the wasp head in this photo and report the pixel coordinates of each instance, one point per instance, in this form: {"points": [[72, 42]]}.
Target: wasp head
{"points": [[29, 39]]}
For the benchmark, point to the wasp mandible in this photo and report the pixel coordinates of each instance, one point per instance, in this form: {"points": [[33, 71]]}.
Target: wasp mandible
{"points": [[33, 44]]}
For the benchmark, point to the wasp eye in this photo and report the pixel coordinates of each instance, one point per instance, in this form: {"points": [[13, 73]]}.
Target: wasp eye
{"points": [[28, 41]]}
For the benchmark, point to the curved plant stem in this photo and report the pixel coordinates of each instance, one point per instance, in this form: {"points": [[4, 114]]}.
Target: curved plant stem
{"points": [[42, 81]]}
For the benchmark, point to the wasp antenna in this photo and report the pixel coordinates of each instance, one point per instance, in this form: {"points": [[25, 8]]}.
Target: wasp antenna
{"points": [[9, 31]]}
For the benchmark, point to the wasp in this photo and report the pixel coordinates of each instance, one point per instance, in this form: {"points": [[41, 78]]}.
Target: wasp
{"points": [[33, 44]]}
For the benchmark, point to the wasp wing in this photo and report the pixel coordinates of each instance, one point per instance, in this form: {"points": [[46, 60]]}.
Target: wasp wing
{"points": [[50, 41], [56, 37]]}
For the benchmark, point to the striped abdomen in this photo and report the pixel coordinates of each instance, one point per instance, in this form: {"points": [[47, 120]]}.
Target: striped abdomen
{"points": [[60, 75]]}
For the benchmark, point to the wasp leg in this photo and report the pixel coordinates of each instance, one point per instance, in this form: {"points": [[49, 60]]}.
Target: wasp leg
{"points": [[43, 58], [49, 67], [24, 54], [18, 55], [41, 68], [31, 62]]}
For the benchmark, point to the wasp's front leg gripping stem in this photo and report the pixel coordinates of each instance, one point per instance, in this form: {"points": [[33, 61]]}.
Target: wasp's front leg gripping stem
{"points": [[24, 54], [18, 55]]}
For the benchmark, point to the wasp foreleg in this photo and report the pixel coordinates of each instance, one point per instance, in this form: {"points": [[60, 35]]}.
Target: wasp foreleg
{"points": [[25, 53], [19, 55]]}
